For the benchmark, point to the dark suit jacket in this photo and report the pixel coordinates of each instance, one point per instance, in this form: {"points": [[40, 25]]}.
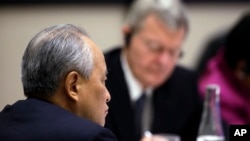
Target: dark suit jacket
{"points": [[37, 120], [176, 104]]}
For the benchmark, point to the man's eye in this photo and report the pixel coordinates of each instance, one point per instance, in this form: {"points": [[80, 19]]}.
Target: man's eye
{"points": [[153, 46]]}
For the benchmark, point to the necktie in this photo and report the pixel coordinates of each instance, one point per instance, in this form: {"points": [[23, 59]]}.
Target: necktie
{"points": [[138, 111]]}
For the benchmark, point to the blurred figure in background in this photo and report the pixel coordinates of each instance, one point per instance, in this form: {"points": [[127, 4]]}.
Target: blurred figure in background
{"points": [[149, 90], [213, 44], [229, 67], [63, 76]]}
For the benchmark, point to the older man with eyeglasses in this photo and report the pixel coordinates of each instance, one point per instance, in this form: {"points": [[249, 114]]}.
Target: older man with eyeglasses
{"points": [[147, 65]]}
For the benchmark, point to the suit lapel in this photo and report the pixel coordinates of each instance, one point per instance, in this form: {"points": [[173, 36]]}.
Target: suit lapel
{"points": [[120, 112]]}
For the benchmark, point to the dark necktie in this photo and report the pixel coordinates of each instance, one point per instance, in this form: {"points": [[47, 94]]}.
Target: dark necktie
{"points": [[138, 111]]}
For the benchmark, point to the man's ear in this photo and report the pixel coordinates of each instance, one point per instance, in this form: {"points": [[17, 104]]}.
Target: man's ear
{"points": [[72, 85], [126, 29], [127, 34]]}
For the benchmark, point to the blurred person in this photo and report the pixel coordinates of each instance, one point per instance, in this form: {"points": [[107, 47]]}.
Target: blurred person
{"points": [[144, 73], [212, 45], [229, 67], [63, 77]]}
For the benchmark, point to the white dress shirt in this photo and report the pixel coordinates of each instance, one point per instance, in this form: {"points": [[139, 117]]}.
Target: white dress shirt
{"points": [[135, 91]]}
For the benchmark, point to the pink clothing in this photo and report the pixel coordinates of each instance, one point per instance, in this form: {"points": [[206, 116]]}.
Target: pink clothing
{"points": [[234, 98]]}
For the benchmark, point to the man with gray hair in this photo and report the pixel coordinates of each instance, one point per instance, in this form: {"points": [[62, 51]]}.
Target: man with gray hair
{"points": [[150, 92], [63, 75]]}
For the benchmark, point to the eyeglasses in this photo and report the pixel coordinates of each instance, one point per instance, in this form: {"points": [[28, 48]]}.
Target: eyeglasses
{"points": [[157, 48]]}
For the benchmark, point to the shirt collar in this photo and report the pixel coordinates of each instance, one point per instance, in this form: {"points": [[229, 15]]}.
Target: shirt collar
{"points": [[134, 87]]}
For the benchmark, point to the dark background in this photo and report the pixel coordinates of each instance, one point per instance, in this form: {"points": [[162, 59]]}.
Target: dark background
{"points": [[126, 2]]}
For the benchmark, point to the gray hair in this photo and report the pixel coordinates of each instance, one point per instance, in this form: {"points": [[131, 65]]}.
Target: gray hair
{"points": [[51, 55], [170, 12]]}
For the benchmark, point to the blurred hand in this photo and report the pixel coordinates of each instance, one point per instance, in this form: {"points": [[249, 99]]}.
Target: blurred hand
{"points": [[160, 137], [146, 138]]}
